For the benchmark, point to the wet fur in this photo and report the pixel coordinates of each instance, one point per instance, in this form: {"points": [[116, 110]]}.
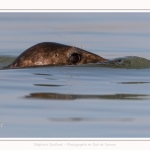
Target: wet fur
{"points": [[49, 53]]}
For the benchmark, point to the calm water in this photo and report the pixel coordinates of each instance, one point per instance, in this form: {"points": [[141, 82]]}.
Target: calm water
{"points": [[76, 101]]}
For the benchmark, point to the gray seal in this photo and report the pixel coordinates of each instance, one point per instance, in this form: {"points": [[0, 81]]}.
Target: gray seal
{"points": [[54, 54]]}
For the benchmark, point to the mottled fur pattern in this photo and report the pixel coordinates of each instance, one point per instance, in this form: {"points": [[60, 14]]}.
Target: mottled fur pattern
{"points": [[49, 53]]}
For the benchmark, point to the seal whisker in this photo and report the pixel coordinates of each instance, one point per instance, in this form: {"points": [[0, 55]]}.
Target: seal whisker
{"points": [[69, 42]]}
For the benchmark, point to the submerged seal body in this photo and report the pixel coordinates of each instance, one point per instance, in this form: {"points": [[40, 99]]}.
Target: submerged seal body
{"points": [[49, 53]]}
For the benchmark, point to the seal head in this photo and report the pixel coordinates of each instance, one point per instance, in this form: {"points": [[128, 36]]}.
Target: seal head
{"points": [[53, 54]]}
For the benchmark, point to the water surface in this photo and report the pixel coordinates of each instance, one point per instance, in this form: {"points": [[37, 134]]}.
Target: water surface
{"points": [[94, 100]]}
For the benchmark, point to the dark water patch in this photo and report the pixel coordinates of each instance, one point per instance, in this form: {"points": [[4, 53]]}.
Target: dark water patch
{"points": [[42, 74], [133, 82], [45, 74], [50, 85], [57, 96], [50, 78], [76, 119]]}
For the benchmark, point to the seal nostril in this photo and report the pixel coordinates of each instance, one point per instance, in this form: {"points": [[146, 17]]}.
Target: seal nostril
{"points": [[75, 58]]}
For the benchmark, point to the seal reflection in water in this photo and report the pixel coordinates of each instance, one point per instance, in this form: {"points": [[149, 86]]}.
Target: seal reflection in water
{"points": [[49, 53]]}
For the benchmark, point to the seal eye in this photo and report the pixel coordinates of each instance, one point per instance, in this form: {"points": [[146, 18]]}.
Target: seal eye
{"points": [[75, 58]]}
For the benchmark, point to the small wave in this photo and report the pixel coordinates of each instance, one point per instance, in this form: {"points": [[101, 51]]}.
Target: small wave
{"points": [[5, 60], [128, 62]]}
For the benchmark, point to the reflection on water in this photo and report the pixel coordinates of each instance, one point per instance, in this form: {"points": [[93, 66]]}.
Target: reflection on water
{"points": [[91, 119], [51, 85], [43, 74], [57, 96], [133, 82]]}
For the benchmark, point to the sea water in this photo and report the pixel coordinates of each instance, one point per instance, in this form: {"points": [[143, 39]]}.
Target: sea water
{"points": [[94, 100]]}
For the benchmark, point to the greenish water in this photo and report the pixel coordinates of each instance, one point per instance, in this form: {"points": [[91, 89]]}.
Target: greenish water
{"points": [[94, 100]]}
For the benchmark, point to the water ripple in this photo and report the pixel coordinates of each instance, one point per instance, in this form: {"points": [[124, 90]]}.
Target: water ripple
{"points": [[58, 96]]}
